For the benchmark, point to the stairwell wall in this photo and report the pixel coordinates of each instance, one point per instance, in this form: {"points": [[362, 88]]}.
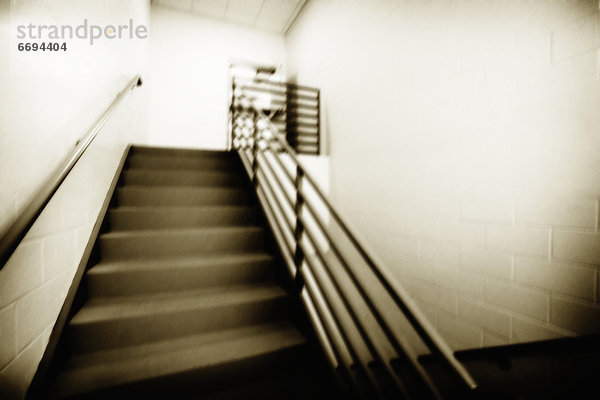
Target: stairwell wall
{"points": [[464, 143], [45, 107], [188, 75]]}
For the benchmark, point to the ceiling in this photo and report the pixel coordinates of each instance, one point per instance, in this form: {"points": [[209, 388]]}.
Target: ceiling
{"points": [[274, 16]]}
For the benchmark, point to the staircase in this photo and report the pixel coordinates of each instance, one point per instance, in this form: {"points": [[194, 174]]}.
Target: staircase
{"points": [[188, 299]]}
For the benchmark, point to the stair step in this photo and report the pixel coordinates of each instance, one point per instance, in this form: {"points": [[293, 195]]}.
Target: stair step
{"points": [[147, 176], [153, 276], [174, 151], [183, 301], [181, 242], [199, 362], [105, 323], [180, 196], [137, 218], [299, 383], [182, 162]]}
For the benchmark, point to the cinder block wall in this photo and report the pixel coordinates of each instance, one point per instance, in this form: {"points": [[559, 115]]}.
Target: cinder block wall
{"points": [[35, 280], [45, 107], [465, 142]]}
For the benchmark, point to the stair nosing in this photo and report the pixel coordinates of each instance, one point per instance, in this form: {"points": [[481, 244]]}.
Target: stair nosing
{"points": [[206, 207], [174, 170], [187, 359], [227, 158], [153, 264], [199, 153], [209, 338], [196, 162], [179, 231], [150, 304], [188, 187]]}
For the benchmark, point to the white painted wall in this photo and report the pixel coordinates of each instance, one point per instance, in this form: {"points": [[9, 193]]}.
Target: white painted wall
{"points": [[188, 75], [45, 106], [464, 142], [48, 100]]}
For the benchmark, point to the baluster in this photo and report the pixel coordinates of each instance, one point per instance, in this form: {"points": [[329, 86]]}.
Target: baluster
{"points": [[255, 152], [299, 253]]}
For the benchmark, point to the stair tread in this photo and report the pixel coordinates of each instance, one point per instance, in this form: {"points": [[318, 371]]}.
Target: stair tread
{"points": [[107, 267], [165, 217], [153, 348], [207, 207], [175, 151], [181, 188], [133, 195], [191, 353], [188, 177], [183, 162], [178, 191], [183, 298], [226, 157], [124, 307], [180, 231], [170, 171]]}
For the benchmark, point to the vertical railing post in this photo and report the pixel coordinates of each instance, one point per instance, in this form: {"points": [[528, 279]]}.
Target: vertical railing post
{"points": [[255, 152], [232, 112], [318, 122], [298, 231]]}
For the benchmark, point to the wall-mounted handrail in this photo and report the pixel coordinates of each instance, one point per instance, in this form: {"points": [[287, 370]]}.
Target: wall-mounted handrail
{"points": [[272, 141], [19, 228]]}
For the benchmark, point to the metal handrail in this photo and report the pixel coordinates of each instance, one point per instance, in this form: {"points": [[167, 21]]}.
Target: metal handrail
{"points": [[275, 83], [296, 104], [418, 321], [19, 228]]}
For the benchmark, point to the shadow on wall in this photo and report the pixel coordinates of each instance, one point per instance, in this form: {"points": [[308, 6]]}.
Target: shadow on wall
{"points": [[464, 144], [45, 108]]}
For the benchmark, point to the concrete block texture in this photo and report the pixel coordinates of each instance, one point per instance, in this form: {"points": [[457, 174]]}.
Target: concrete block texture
{"points": [[34, 281], [517, 239], [39, 308], [17, 375], [579, 213], [22, 273], [519, 300], [487, 317], [583, 247], [8, 338], [484, 262], [576, 316], [527, 330], [571, 280], [494, 110]]}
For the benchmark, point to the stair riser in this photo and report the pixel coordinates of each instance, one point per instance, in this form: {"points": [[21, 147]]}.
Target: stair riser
{"points": [[171, 280], [267, 376], [129, 196], [181, 178], [181, 244], [182, 267], [175, 152], [144, 161], [123, 332], [186, 218]]}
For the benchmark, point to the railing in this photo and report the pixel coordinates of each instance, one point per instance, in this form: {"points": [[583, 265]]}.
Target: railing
{"points": [[19, 228], [367, 324], [297, 110]]}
